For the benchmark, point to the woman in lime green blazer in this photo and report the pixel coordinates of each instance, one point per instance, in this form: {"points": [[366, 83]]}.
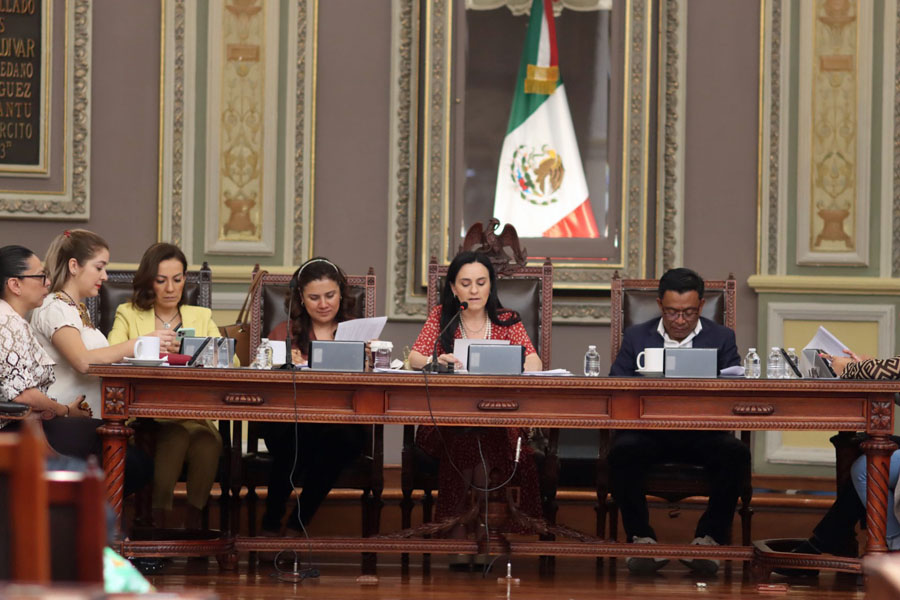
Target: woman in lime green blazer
{"points": [[158, 304]]}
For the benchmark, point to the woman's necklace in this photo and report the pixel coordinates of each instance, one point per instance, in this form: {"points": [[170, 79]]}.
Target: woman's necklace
{"points": [[486, 327], [167, 324], [82, 308]]}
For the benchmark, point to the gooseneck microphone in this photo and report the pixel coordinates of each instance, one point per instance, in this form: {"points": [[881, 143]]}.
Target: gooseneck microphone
{"points": [[434, 366], [289, 359]]}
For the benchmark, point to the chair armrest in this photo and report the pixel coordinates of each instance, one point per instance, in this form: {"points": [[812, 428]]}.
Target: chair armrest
{"points": [[14, 410]]}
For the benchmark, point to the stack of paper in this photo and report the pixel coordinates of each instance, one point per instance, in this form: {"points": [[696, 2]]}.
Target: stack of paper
{"points": [[825, 340], [551, 372]]}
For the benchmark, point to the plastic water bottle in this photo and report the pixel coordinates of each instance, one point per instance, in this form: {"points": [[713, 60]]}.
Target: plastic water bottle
{"points": [[775, 364], [592, 362], [752, 366], [788, 371], [264, 353]]}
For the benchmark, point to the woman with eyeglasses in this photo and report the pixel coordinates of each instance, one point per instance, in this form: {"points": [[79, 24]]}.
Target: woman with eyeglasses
{"points": [[27, 377], [27, 371]]}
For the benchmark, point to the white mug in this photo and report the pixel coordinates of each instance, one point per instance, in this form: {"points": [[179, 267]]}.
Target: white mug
{"points": [[652, 360], [146, 348]]}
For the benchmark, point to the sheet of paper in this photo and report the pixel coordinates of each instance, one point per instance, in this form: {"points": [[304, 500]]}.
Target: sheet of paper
{"points": [[735, 371], [549, 373], [279, 352], [360, 330], [825, 340], [461, 348]]}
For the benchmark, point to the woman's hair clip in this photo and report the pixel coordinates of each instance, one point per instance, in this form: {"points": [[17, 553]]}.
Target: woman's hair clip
{"points": [[67, 233]]}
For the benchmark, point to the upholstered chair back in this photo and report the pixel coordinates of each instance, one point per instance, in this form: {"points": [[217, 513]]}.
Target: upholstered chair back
{"points": [[118, 290]]}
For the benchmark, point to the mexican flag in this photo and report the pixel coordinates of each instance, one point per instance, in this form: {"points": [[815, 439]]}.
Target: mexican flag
{"points": [[541, 188]]}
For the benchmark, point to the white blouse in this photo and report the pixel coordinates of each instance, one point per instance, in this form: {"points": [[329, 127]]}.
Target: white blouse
{"points": [[24, 363], [54, 313]]}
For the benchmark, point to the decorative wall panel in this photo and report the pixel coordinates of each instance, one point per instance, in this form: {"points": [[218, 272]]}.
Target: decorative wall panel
{"points": [[835, 105], [251, 198]]}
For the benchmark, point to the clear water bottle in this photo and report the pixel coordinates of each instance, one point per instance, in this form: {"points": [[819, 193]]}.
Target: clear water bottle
{"points": [[752, 365], [264, 353], [788, 371], [592, 362], [775, 364]]}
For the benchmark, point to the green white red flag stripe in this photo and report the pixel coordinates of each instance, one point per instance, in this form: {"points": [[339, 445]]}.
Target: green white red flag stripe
{"points": [[541, 188]]}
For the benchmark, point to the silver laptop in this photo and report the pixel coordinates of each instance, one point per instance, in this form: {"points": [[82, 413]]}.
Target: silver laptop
{"points": [[496, 360], [327, 355], [692, 362]]}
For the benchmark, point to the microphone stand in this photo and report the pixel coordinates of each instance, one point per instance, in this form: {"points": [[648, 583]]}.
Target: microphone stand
{"points": [[434, 366], [289, 359]]}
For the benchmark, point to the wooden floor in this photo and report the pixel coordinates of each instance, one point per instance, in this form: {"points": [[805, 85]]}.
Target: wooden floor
{"points": [[574, 579]]}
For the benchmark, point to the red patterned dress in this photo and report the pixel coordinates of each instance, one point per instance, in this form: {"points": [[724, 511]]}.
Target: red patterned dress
{"points": [[497, 444]]}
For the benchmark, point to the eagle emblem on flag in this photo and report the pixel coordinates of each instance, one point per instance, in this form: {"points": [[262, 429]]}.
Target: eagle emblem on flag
{"points": [[537, 174]]}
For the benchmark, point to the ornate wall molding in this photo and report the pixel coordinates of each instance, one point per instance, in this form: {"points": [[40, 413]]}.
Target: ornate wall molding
{"points": [[180, 178], [241, 124], [429, 231], [773, 183], [523, 7], [71, 201], [892, 8], [792, 161], [834, 108], [670, 207]]}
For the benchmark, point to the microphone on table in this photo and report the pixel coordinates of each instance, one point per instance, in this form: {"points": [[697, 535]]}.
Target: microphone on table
{"points": [[289, 359], [434, 366]]}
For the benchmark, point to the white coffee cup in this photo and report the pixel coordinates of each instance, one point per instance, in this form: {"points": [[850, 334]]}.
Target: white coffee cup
{"points": [[146, 348], [650, 360]]}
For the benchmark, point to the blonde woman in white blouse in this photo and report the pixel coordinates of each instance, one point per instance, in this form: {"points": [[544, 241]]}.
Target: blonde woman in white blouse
{"points": [[76, 264]]}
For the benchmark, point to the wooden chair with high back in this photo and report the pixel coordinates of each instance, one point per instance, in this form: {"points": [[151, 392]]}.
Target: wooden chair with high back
{"points": [[24, 520], [366, 473], [118, 289], [633, 301], [524, 289]]}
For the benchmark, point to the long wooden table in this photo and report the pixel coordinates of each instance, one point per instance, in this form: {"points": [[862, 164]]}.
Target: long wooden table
{"points": [[526, 401]]}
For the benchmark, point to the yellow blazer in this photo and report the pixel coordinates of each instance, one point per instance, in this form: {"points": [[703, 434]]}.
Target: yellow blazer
{"points": [[132, 322]]}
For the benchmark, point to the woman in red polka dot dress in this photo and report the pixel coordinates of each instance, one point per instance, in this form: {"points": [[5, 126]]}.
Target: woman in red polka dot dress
{"points": [[471, 278]]}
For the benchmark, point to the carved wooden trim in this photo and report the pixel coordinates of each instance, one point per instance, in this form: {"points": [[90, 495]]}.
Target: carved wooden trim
{"points": [[114, 400], [881, 417], [492, 421], [240, 398], [753, 409], [164, 548], [498, 405], [765, 558]]}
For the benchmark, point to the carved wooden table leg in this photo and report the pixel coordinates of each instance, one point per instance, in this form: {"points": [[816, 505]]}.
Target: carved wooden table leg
{"points": [[878, 460], [115, 441]]}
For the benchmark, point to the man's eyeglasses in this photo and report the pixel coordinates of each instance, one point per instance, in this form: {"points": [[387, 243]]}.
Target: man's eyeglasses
{"points": [[689, 313], [42, 276]]}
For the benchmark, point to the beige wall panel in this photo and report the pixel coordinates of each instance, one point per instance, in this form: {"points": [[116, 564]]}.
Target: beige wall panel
{"points": [[721, 136]]}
